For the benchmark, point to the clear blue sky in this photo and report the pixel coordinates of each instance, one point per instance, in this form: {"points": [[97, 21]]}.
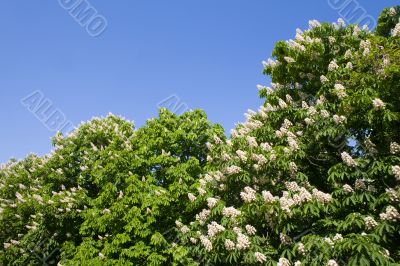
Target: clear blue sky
{"points": [[207, 52]]}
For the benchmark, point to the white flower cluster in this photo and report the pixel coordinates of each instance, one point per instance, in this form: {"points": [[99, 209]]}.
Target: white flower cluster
{"points": [[390, 214], [301, 249], [286, 202], [268, 197], [283, 262], [248, 195], [333, 66], [295, 45], [270, 63], [339, 119], [251, 230], [314, 24], [396, 30], [348, 160], [259, 158], [261, 258], [289, 59], [337, 238], [285, 239], [392, 194], [206, 243], [203, 216], [191, 197], [293, 168], [360, 184], [340, 91], [396, 171], [229, 245], [211, 202], [243, 242], [230, 212], [392, 11], [324, 79], [321, 196], [332, 263], [231, 170], [252, 141], [394, 148], [214, 228], [242, 155], [378, 104], [370, 222], [347, 188]]}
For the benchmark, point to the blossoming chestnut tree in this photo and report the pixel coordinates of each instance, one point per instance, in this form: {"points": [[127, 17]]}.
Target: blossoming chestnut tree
{"points": [[107, 194], [312, 177]]}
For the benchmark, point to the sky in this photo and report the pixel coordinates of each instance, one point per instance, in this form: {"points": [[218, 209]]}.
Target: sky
{"points": [[130, 57]]}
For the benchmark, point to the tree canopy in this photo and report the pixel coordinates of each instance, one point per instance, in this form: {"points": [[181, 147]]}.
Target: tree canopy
{"points": [[311, 178]]}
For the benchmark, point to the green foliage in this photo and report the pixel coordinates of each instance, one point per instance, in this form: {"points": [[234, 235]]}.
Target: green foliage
{"points": [[109, 195], [311, 178]]}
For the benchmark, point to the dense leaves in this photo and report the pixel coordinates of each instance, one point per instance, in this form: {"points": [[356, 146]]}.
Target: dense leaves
{"points": [[311, 178], [107, 194]]}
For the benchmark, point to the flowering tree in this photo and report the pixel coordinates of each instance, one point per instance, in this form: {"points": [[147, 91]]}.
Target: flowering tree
{"points": [[312, 177], [106, 195]]}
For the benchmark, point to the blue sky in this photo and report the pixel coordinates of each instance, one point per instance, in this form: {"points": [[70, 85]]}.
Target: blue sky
{"points": [[207, 52]]}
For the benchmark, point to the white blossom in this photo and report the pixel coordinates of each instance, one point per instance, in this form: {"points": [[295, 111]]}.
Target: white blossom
{"points": [[268, 197], [314, 24], [251, 230], [233, 170], [248, 195], [349, 65], [230, 212], [332, 263], [191, 197], [360, 184], [390, 214], [203, 215], [394, 148], [348, 160], [396, 30], [339, 119], [214, 228], [283, 262], [321, 196], [260, 257], [252, 141], [392, 194], [333, 66], [347, 188], [370, 222], [396, 171], [243, 242], [229, 245], [289, 59], [378, 104], [242, 155], [206, 243], [340, 91], [301, 249], [211, 202]]}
